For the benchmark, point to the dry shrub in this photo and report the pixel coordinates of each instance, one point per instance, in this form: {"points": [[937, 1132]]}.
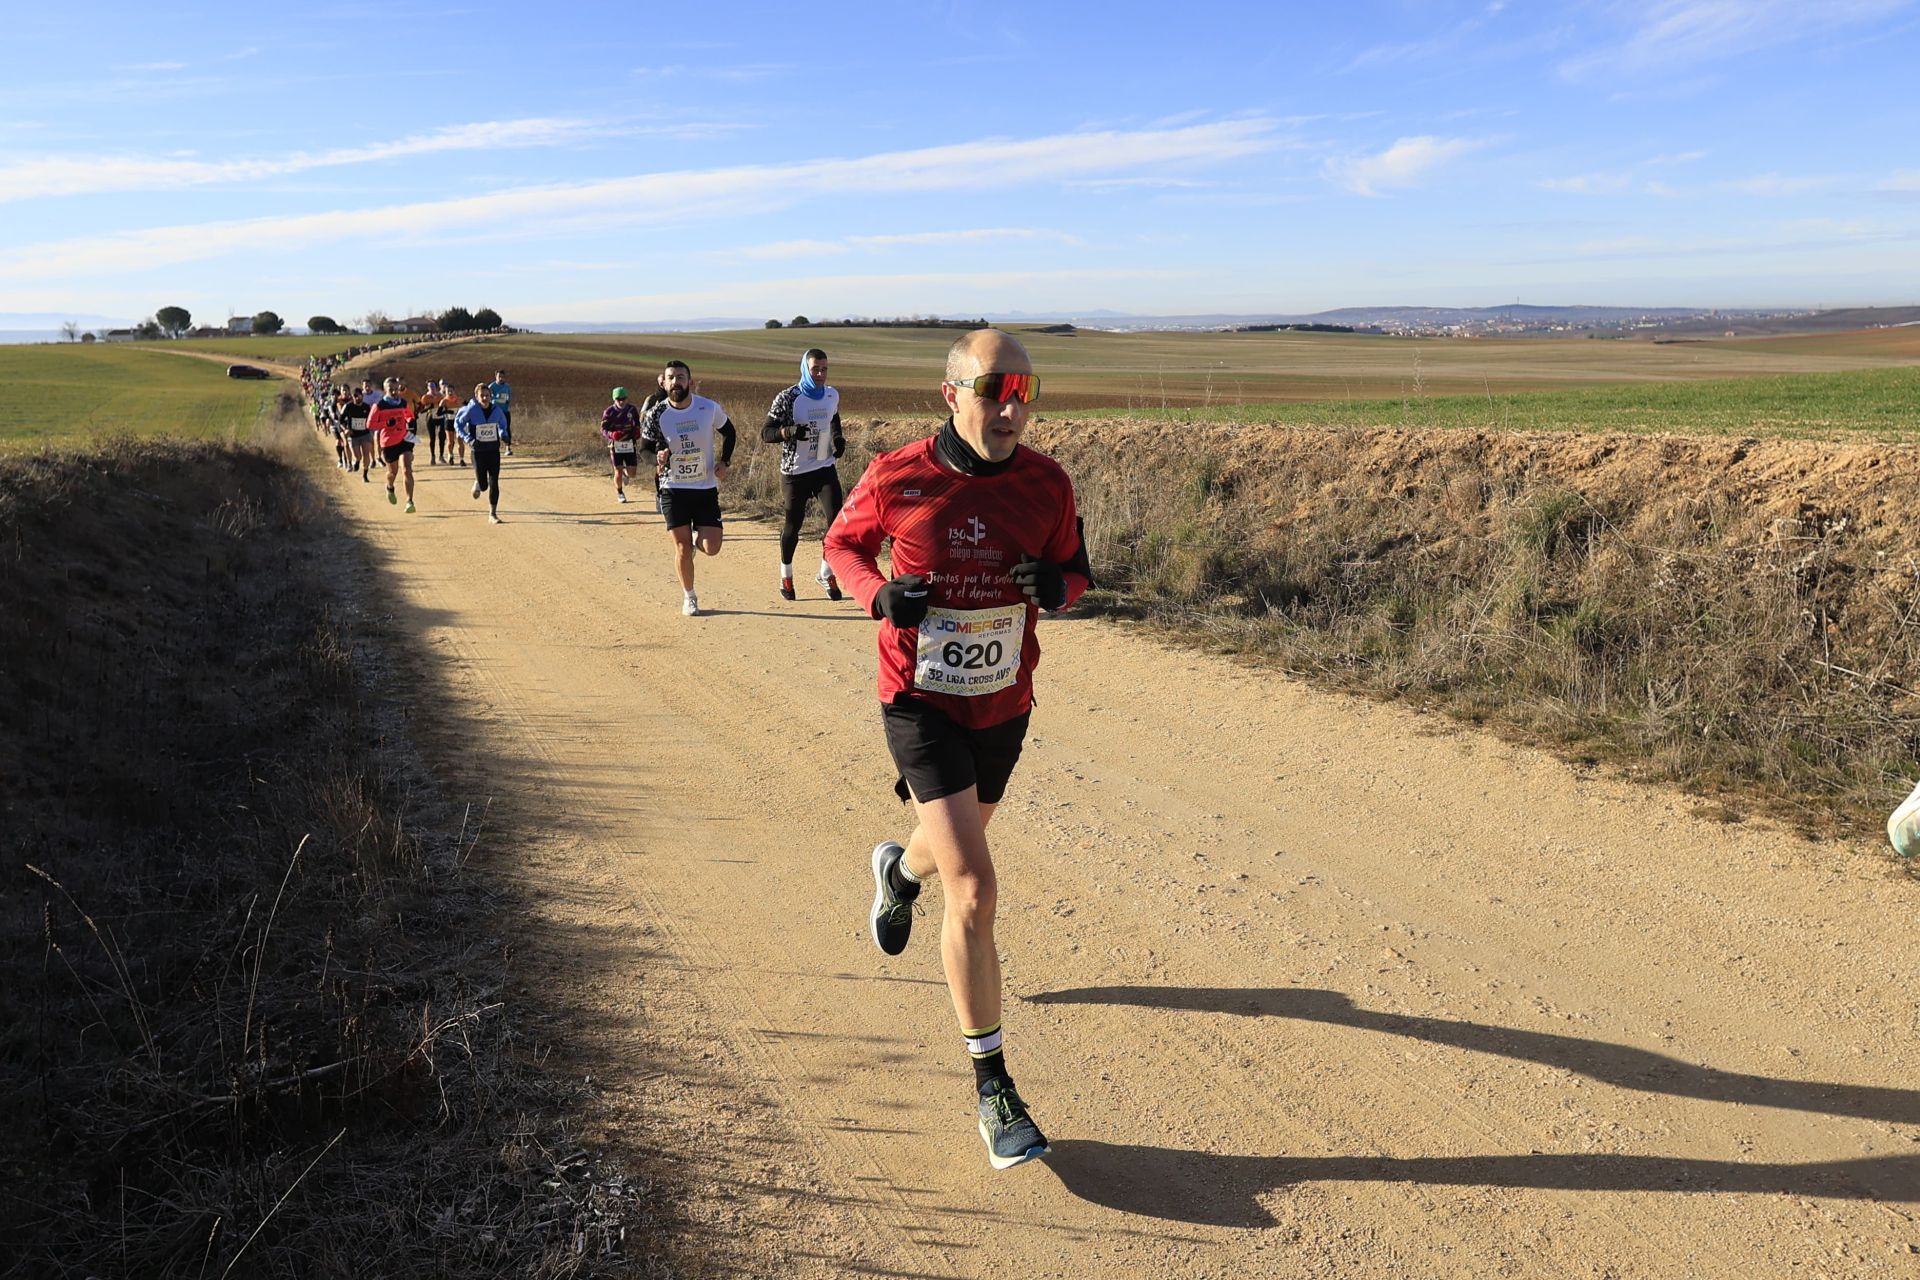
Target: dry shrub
{"points": [[254, 1020], [1736, 616]]}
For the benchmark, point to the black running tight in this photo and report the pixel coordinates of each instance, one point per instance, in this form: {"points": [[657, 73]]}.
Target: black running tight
{"points": [[800, 490], [486, 471]]}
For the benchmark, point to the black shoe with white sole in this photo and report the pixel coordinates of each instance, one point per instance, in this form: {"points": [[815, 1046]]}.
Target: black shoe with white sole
{"points": [[892, 918]]}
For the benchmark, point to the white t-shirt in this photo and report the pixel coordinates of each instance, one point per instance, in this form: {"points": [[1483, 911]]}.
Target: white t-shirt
{"points": [[816, 451], [690, 435]]}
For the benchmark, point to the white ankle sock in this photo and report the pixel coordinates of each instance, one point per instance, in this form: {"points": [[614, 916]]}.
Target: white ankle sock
{"points": [[786, 571]]}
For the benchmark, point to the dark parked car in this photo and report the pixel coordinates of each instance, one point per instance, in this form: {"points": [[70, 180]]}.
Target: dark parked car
{"points": [[246, 371]]}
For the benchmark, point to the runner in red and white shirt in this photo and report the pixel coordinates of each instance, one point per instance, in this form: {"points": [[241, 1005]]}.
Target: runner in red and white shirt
{"points": [[984, 536], [393, 422]]}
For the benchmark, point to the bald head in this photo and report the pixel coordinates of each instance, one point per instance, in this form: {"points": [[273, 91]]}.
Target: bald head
{"points": [[986, 351]]}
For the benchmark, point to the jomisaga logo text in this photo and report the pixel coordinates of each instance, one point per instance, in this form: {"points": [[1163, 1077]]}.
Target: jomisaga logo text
{"points": [[973, 626]]}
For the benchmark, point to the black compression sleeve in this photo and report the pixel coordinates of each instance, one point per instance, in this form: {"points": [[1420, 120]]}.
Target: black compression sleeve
{"points": [[726, 445], [771, 432]]}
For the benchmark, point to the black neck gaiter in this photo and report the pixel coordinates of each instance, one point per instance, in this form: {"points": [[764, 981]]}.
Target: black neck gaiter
{"points": [[959, 455]]}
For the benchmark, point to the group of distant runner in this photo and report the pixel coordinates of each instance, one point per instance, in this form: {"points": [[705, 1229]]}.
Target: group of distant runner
{"points": [[365, 422], [983, 536]]}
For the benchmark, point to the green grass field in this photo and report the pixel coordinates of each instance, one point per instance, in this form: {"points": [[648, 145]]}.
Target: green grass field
{"points": [[1882, 404], [73, 394]]}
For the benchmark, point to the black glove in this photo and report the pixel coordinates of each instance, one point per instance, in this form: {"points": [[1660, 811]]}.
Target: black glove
{"points": [[903, 602], [839, 445], [799, 433], [1042, 580]]}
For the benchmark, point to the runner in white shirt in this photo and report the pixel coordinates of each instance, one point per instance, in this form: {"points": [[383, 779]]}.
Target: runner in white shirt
{"points": [[805, 422], [681, 429]]}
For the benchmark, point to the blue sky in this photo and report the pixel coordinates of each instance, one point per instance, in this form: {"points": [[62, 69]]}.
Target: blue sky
{"points": [[611, 162]]}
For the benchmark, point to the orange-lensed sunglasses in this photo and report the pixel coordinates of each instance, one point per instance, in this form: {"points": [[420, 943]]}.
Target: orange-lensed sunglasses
{"points": [[1001, 387]]}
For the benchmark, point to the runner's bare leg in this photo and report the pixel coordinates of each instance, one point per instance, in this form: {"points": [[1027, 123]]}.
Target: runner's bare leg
{"points": [[951, 841]]}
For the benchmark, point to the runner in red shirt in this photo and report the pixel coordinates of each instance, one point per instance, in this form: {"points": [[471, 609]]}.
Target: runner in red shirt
{"points": [[984, 536], [392, 423]]}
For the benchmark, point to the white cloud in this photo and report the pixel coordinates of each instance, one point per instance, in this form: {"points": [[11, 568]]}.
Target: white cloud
{"points": [[787, 249], [996, 164], [850, 295], [1406, 163], [902, 240], [1674, 33], [1117, 184], [927, 239], [1633, 181], [1801, 236], [1630, 180], [87, 175], [1592, 184], [1776, 184]]}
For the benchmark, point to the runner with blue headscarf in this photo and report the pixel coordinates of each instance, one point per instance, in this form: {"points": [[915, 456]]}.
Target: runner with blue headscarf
{"points": [[805, 422]]}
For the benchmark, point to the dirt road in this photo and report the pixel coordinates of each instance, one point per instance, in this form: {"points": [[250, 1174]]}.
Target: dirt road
{"points": [[1298, 985]]}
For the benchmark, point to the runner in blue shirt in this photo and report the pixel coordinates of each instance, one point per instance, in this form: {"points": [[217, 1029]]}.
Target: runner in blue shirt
{"points": [[503, 400], [482, 424]]}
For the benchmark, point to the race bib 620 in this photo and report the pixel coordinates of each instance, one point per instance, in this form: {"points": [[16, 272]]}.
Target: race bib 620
{"points": [[969, 652]]}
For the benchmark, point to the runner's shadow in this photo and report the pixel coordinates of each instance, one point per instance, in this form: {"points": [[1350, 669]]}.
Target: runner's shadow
{"points": [[1621, 1065], [1206, 1189]]}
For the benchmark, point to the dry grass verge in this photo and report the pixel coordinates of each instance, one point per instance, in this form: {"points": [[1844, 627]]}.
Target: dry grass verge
{"points": [[253, 1009], [1740, 617]]}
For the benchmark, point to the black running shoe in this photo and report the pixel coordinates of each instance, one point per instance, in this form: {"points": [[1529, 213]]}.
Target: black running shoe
{"points": [[1011, 1135], [832, 584], [892, 914], [786, 588]]}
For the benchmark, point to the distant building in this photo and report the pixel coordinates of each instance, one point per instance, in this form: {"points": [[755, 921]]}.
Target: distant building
{"points": [[417, 324], [240, 326], [119, 335]]}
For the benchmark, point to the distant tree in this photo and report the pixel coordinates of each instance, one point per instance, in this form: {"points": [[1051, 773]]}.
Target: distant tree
{"points": [[268, 323], [175, 320], [86, 337], [798, 322], [70, 331], [486, 318], [775, 324], [147, 328], [376, 322], [454, 320], [323, 324]]}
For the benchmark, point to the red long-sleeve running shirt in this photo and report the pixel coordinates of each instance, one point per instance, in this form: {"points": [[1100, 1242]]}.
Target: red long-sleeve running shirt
{"points": [[974, 656], [391, 420]]}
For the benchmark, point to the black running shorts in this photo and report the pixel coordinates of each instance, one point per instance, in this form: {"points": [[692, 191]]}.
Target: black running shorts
{"points": [[391, 453], [697, 507], [938, 758]]}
